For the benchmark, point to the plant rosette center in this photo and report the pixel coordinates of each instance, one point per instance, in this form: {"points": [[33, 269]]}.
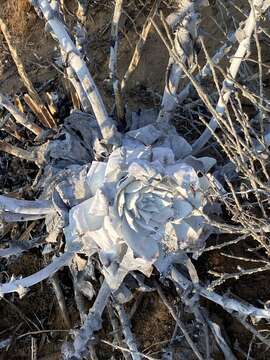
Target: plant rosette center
{"points": [[146, 208]]}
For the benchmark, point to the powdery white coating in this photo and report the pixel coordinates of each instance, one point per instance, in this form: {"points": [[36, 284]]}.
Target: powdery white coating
{"points": [[146, 205], [74, 59], [229, 304], [20, 285]]}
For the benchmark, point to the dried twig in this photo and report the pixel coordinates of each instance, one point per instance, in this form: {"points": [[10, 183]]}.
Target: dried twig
{"points": [[18, 116], [61, 300], [129, 337], [75, 61], [93, 321], [225, 302], [116, 329], [140, 44], [18, 152], [179, 322], [244, 44], [127, 350], [41, 111], [113, 60]]}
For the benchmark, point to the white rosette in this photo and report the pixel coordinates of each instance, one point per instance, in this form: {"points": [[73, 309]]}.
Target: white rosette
{"points": [[146, 205]]}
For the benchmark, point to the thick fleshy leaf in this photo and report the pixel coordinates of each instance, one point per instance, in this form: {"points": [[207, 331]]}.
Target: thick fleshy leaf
{"points": [[182, 208], [142, 170], [179, 146], [116, 273], [88, 216], [131, 199], [146, 135], [208, 162], [139, 241], [163, 154], [96, 175], [146, 207], [184, 175], [114, 168]]}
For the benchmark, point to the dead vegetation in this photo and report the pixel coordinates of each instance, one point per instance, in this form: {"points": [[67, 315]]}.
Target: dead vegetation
{"points": [[213, 299]]}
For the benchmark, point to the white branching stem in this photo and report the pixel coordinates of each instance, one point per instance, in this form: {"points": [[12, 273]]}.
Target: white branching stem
{"points": [[34, 207], [129, 338], [186, 31], [16, 248], [20, 285], [225, 302], [113, 60], [75, 61], [79, 89], [19, 116], [9, 217], [206, 70], [92, 323], [228, 84]]}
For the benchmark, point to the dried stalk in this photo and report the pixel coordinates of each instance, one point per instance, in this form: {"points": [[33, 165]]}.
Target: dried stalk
{"points": [[113, 60], [20, 285], [18, 152], [9, 217], [185, 36], [225, 302], [228, 84], [61, 300], [42, 112], [179, 322], [129, 337], [35, 207], [93, 321], [19, 116], [140, 44], [79, 91], [78, 65]]}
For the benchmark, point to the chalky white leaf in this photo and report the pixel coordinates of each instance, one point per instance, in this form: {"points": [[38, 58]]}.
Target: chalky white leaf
{"points": [[145, 207]]}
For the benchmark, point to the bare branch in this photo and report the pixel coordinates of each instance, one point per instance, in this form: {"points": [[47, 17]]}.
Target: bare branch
{"points": [[75, 61], [34, 207], [228, 84], [113, 60], [43, 114], [18, 152], [19, 117], [20, 285]]}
